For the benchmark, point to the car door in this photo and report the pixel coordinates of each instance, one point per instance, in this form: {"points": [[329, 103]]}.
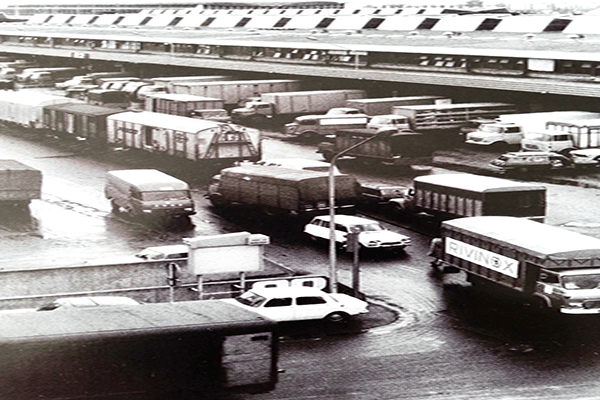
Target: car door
{"points": [[278, 308], [311, 307]]}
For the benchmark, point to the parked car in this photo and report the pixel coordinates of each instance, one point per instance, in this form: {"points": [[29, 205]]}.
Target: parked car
{"points": [[158, 253], [529, 161], [371, 235], [85, 302], [300, 303], [585, 157]]}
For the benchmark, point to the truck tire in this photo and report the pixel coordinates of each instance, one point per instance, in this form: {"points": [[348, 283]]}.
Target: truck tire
{"points": [[115, 208], [258, 119], [328, 156], [309, 135], [500, 146]]}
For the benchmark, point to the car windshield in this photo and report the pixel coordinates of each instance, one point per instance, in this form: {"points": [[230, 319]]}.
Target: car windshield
{"points": [[542, 137], [581, 281], [372, 227], [166, 195], [251, 299]]}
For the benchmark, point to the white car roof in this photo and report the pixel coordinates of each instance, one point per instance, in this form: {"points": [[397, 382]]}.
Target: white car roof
{"points": [[290, 290], [347, 219]]}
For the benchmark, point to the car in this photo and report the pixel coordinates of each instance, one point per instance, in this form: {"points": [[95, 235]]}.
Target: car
{"points": [[529, 161], [383, 122], [371, 235], [585, 157], [158, 253], [299, 304], [86, 302]]}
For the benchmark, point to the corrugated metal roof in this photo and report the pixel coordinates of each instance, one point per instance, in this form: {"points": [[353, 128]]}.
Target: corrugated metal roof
{"points": [[475, 183], [84, 109], [206, 315]]}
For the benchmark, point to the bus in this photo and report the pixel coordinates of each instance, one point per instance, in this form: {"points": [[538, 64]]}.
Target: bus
{"points": [[448, 196], [161, 349]]}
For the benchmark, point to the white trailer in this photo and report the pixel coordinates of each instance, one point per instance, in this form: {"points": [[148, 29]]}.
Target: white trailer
{"points": [[190, 138], [180, 104], [23, 109], [169, 81], [232, 92]]}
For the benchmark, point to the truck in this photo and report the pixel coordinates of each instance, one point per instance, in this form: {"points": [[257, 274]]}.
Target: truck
{"points": [[510, 129], [46, 76], [19, 184], [187, 138], [390, 148], [449, 118], [541, 265], [180, 104], [278, 190], [158, 350], [231, 92], [284, 107], [148, 193], [169, 81], [23, 109], [309, 127], [448, 196], [383, 105], [563, 136]]}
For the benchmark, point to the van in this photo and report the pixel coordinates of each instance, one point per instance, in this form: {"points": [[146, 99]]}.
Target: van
{"points": [[148, 192]]}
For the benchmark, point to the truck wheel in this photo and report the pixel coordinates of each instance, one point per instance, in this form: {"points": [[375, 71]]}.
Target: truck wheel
{"points": [[115, 207], [309, 135], [337, 317], [328, 156], [257, 119], [500, 146]]}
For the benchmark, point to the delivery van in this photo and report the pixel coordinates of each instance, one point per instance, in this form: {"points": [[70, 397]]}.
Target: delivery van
{"points": [[148, 192]]}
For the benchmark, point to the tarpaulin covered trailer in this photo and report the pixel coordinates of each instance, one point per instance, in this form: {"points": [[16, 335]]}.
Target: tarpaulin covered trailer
{"points": [[190, 138], [25, 109], [78, 120]]}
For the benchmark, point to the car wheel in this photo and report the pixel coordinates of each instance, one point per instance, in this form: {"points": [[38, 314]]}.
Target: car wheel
{"points": [[309, 135], [337, 317]]}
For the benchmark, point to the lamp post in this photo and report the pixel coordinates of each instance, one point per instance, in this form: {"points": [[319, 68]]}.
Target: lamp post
{"points": [[331, 183]]}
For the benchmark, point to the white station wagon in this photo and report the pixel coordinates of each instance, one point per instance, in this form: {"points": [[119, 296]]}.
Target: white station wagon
{"points": [[371, 235], [300, 303]]}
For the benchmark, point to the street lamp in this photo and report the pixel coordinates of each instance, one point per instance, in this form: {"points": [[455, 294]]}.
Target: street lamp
{"points": [[331, 183]]}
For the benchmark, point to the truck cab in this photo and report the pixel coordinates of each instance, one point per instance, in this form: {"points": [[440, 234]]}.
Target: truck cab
{"points": [[496, 134], [254, 110], [558, 142], [380, 122]]}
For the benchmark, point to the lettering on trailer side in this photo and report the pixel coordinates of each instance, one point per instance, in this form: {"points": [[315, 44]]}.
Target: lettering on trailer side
{"points": [[485, 258]]}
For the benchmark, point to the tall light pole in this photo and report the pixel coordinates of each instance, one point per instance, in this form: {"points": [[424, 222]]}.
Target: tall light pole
{"points": [[331, 183]]}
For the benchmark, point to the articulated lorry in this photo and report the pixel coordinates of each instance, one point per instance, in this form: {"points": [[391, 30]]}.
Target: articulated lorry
{"points": [[19, 184], [383, 105], [564, 136], [232, 92], [510, 129], [278, 190], [284, 107], [542, 265]]}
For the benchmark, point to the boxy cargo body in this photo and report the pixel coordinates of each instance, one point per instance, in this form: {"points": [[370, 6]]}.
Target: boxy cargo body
{"points": [[78, 120], [21, 108], [394, 148], [148, 192], [180, 104], [281, 190], [449, 196], [285, 106], [440, 117], [383, 105], [208, 347], [545, 265], [19, 183], [169, 81], [188, 138], [232, 92]]}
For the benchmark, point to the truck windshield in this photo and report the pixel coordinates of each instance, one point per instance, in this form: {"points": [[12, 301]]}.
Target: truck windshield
{"points": [[251, 299], [581, 281], [166, 195], [489, 128]]}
